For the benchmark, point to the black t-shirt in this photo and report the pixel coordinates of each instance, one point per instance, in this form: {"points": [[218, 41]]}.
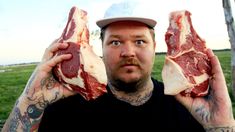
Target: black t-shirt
{"points": [[160, 113]]}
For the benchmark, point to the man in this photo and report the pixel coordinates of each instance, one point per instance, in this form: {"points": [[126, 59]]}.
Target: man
{"points": [[134, 99]]}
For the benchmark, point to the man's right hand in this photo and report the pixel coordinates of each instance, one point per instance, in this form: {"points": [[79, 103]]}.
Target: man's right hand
{"points": [[42, 88]]}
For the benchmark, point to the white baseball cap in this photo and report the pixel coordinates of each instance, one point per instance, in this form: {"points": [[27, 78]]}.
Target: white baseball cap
{"points": [[126, 11]]}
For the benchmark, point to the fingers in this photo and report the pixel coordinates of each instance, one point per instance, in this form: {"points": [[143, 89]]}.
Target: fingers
{"points": [[49, 52], [67, 92], [216, 67], [55, 47], [55, 60], [210, 53], [214, 61], [50, 60], [217, 72], [218, 85]]}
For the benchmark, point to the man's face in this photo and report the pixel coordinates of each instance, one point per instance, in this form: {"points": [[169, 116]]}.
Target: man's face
{"points": [[128, 52]]}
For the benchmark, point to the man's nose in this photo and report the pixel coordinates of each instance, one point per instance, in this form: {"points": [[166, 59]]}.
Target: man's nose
{"points": [[127, 50]]}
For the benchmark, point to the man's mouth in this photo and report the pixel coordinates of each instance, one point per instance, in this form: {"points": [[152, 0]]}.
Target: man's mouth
{"points": [[128, 65]]}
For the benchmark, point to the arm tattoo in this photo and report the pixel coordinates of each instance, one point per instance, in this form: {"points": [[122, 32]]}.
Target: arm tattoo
{"points": [[48, 83], [138, 100], [204, 114], [37, 93], [27, 121], [34, 112], [14, 123], [221, 129], [29, 108], [27, 87]]}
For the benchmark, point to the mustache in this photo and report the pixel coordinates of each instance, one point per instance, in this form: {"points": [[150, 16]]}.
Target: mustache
{"points": [[129, 61]]}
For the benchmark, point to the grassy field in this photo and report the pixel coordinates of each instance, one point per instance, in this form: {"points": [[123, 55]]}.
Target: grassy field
{"points": [[14, 78]]}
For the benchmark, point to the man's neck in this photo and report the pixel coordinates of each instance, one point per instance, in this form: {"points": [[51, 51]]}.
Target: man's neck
{"points": [[139, 97]]}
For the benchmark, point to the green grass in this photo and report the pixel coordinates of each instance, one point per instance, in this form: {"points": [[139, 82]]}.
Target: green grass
{"points": [[225, 60], [157, 68], [12, 83], [14, 79]]}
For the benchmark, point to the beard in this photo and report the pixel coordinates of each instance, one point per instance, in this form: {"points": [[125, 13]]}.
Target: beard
{"points": [[131, 86]]}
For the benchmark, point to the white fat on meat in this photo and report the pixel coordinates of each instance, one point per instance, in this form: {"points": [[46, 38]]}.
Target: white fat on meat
{"points": [[94, 65], [185, 29], [78, 30], [173, 78], [90, 78], [177, 79]]}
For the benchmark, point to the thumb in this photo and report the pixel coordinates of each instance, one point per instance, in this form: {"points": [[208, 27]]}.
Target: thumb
{"points": [[67, 92]]}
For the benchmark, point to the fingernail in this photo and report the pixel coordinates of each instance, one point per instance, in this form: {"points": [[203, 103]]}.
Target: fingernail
{"points": [[70, 55], [65, 44]]}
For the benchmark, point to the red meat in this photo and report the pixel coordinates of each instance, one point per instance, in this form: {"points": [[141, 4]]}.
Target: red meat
{"points": [[85, 73], [187, 68]]}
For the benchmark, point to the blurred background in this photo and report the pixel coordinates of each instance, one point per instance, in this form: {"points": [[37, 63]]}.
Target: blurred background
{"points": [[27, 27]]}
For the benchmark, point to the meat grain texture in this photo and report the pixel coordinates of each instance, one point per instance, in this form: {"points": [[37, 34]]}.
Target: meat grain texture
{"points": [[85, 73], [187, 68]]}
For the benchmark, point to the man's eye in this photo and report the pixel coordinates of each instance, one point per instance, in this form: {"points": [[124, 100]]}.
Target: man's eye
{"points": [[139, 42], [115, 43]]}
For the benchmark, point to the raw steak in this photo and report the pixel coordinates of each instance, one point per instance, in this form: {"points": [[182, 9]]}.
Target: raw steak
{"points": [[187, 68], [85, 73]]}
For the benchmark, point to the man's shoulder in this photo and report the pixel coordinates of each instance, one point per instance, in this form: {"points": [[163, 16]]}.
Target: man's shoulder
{"points": [[157, 82], [158, 86]]}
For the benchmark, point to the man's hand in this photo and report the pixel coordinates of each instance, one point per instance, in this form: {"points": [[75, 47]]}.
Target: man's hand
{"points": [[41, 90], [42, 87], [213, 111]]}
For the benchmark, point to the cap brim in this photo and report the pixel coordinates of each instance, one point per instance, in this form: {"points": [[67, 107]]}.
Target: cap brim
{"points": [[104, 22]]}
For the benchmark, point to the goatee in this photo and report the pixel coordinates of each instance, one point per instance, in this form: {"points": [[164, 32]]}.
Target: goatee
{"points": [[129, 87]]}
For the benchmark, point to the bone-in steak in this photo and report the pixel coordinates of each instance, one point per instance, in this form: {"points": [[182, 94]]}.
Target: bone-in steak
{"points": [[85, 73], [187, 67]]}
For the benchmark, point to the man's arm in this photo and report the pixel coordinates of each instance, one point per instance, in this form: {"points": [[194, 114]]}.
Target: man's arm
{"points": [[214, 111], [42, 89], [221, 129], [28, 110]]}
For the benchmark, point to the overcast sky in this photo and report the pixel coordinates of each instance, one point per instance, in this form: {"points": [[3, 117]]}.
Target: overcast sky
{"points": [[27, 27]]}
